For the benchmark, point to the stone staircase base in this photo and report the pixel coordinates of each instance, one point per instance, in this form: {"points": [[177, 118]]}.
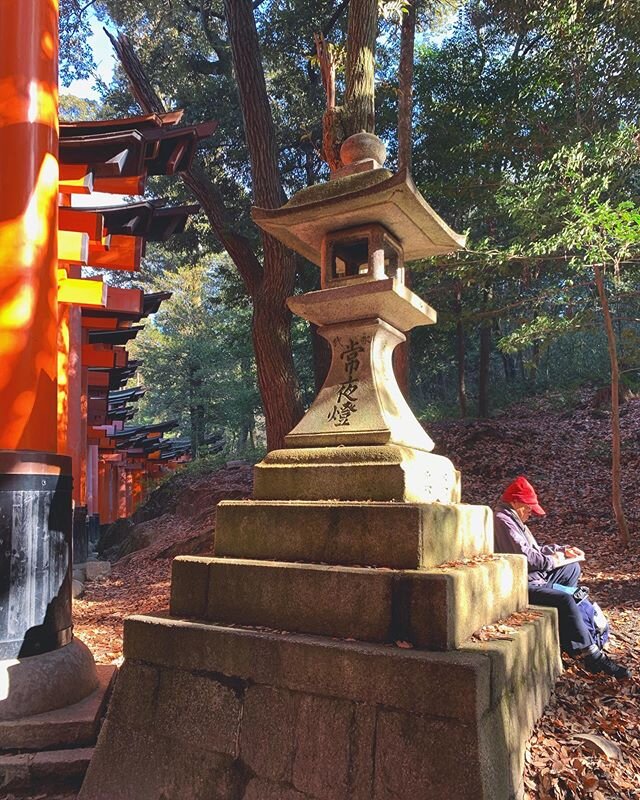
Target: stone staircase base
{"points": [[51, 752]]}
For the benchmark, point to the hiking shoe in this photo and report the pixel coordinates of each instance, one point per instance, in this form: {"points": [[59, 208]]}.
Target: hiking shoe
{"points": [[599, 662]]}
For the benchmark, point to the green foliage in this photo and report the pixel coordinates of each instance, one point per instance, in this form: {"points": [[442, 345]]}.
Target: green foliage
{"points": [[574, 210], [197, 358], [524, 139], [73, 108], [76, 57], [542, 328], [524, 121]]}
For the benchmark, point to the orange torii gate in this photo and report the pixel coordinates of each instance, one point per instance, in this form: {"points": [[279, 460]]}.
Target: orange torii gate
{"points": [[53, 345], [115, 156]]}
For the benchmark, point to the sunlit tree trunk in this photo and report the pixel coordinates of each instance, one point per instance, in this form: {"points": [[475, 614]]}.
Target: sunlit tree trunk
{"points": [[271, 318], [485, 358], [405, 86], [362, 28], [268, 283], [616, 489]]}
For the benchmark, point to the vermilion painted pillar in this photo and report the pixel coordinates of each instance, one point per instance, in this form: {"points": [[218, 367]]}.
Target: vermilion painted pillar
{"points": [[28, 223], [122, 489], [93, 479], [37, 652]]}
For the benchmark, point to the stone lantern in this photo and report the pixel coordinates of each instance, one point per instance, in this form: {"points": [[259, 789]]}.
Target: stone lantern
{"points": [[325, 650], [360, 228]]}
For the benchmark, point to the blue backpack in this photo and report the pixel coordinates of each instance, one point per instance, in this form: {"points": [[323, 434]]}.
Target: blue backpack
{"points": [[592, 615]]}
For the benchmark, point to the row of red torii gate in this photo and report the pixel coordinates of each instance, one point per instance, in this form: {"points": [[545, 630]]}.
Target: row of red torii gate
{"points": [[70, 459], [112, 462]]}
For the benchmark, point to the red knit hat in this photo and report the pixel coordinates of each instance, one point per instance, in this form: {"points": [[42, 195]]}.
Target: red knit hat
{"points": [[522, 491]]}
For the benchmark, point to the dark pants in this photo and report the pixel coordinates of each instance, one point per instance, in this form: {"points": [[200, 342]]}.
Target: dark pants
{"points": [[574, 635]]}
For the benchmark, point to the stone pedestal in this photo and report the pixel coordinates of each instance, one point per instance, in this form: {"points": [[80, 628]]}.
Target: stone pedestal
{"points": [[43, 752], [211, 712], [49, 684], [42, 667], [325, 653]]}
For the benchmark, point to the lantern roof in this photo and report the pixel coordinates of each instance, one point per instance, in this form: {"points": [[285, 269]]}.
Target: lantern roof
{"points": [[373, 196]]}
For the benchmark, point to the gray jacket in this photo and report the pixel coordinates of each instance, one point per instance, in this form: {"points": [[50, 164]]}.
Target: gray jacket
{"points": [[511, 535]]}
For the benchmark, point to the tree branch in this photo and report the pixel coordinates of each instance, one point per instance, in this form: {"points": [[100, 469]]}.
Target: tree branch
{"points": [[140, 85], [405, 86], [196, 179], [328, 27]]}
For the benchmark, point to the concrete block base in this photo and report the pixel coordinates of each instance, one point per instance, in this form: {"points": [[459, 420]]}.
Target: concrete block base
{"points": [[372, 534], [49, 770], [239, 713], [435, 609]]}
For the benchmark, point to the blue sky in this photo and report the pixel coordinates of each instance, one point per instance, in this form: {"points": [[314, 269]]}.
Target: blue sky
{"points": [[104, 58]]}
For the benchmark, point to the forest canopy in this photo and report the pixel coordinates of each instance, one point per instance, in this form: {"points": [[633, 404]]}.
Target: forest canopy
{"points": [[524, 120]]}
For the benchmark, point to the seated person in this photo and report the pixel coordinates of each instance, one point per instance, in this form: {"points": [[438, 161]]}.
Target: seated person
{"points": [[548, 565]]}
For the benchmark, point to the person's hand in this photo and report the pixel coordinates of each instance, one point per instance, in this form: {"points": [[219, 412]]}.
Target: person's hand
{"points": [[573, 552]]}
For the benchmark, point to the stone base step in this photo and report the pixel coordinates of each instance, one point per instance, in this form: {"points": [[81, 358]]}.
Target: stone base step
{"points": [[230, 712], [385, 472], [397, 535], [70, 727], [434, 609], [49, 770]]}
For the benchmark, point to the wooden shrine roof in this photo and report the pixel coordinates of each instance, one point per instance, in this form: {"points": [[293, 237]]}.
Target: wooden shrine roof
{"points": [[128, 153], [117, 336], [87, 127], [150, 305], [152, 219]]}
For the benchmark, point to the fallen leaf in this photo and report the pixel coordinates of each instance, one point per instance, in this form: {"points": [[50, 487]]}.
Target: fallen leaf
{"points": [[598, 744], [590, 783]]}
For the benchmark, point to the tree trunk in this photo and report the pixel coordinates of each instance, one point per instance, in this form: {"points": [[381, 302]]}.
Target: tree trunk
{"points": [[268, 284], [483, 377], [485, 356], [321, 357], [405, 86], [195, 409], [332, 134], [460, 355], [271, 318], [616, 489], [534, 365], [362, 30], [402, 353], [276, 374], [401, 362], [259, 129]]}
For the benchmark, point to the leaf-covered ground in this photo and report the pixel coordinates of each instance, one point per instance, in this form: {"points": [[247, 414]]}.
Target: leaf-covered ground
{"points": [[566, 457], [139, 583], [565, 454]]}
